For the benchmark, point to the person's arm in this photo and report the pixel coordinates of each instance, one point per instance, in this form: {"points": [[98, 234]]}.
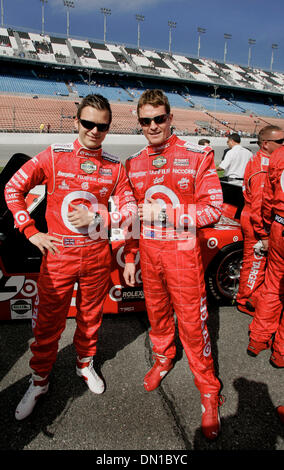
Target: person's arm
{"points": [[267, 201], [204, 208], [125, 202], [129, 274], [225, 162], [44, 241], [208, 198], [256, 188], [80, 216], [28, 176]]}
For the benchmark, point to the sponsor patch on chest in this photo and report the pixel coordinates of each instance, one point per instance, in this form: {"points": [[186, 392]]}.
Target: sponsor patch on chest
{"points": [[183, 183], [88, 167], [105, 171], [181, 161], [159, 161]]}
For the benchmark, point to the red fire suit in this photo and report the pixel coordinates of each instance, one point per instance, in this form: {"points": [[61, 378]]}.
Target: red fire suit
{"points": [[253, 266], [77, 175], [183, 178], [267, 319]]}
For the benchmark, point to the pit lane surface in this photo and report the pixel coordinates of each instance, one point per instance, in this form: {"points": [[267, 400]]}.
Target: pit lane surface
{"points": [[126, 417]]}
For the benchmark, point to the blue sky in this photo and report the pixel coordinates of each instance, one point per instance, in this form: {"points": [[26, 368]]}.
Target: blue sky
{"points": [[243, 19]]}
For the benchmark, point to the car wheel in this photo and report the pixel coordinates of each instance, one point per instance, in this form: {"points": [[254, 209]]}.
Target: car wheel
{"points": [[223, 274]]}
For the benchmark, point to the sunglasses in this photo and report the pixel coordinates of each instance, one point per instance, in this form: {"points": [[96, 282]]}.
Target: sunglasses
{"points": [[102, 127], [277, 141], [157, 120]]}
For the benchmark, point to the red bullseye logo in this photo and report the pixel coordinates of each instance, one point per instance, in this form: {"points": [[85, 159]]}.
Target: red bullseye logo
{"points": [[79, 202], [164, 196], [212, 242], [86, 199], [115, 217], [115, 293], [21, 217], [30, 288], [207, 350]]}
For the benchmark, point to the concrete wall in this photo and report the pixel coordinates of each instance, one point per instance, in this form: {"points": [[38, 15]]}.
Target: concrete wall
{"points": [[113, 139], [121, 145]]}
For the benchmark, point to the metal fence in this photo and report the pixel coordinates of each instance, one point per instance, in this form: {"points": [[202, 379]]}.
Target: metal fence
{"points": [[55, 115]]}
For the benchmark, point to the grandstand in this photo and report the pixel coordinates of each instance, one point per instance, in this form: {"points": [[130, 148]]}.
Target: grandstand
{"points": [[43, 78]]}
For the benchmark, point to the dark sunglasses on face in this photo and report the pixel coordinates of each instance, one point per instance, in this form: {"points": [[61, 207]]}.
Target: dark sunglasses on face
{"points": [[102, 127], [277, 141], [146, 121]]}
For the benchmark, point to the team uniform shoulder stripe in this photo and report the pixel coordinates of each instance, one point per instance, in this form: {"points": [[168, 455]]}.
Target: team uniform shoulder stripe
{"points": [[136, 154], [68, 147], [197, 148], [110, 158]]}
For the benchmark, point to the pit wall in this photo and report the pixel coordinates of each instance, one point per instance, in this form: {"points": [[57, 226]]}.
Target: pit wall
{"points": [[120, 139]]}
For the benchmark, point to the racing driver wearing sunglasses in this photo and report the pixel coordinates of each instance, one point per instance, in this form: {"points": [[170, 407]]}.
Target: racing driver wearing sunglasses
{"points": [[178, 192], [80, 178]]}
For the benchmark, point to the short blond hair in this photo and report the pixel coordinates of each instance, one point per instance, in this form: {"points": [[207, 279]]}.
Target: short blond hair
{"points": [[155, 98]]}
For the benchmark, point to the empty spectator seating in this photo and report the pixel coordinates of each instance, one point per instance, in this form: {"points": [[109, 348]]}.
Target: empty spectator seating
{"points": [[220, 96], [26, 114]]}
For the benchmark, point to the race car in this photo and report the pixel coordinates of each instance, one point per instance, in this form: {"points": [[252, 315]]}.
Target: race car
{"points": [[221, 248]]}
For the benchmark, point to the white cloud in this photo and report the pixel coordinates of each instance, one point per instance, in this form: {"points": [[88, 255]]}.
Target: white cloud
{"points": [[115, 5]]}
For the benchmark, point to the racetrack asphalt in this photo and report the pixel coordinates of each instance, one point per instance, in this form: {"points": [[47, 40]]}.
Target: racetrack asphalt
{"points": [[126, 417]]}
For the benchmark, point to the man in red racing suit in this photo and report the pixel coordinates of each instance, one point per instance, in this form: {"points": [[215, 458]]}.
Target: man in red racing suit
{"points": [[254, 262], [80, 178], [178, 191], [268, 319]]}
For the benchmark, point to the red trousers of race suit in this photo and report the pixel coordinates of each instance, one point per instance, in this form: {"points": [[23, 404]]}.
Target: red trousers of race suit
{"points": [[268, 318], [253, 265], [173, 281], [89, 266]]}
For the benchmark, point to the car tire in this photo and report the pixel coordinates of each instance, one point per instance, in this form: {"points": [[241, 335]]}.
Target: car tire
{"points": [[223, 273]]}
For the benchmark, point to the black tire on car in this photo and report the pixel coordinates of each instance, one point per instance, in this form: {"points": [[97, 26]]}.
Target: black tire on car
{"points": [[223, 273]]}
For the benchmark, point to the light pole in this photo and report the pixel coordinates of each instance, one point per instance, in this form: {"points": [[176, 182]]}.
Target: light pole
{"points": [[69, 4], [42, 15], [2, 13], [273, 46], [105, 12], [251, 43], [226, 36], [172, 25], [139, 18], [200, 31]]}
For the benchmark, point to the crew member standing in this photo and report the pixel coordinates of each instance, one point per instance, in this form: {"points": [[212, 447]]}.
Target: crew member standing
{"points": [[267, 326], [178, 192], [236, 159], [270, 138]]}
